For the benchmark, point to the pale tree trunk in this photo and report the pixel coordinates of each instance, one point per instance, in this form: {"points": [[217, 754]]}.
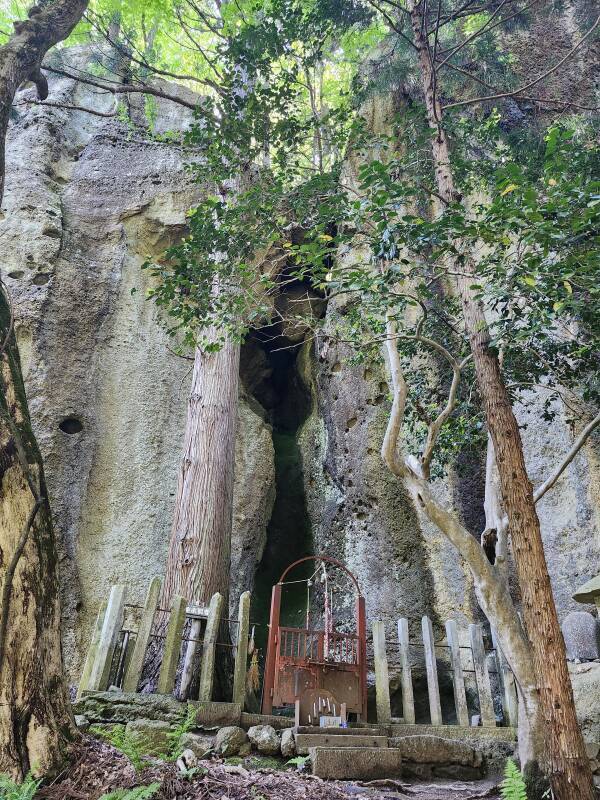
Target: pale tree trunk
{"points": [[565, 760], [36, 721], [200, 546]]}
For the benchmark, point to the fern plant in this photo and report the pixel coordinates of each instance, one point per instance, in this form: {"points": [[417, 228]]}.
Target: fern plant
{"points": [[130, 744], [174, 737], [137, 793], [9, 790], [513, 785]]}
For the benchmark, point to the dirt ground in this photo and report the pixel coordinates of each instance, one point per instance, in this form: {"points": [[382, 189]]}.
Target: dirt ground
{"points": [[97, 768]]}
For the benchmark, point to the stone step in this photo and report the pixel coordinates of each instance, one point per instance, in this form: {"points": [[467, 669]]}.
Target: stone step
{"points": [[304, 741], [356, 763], [315, 729]]}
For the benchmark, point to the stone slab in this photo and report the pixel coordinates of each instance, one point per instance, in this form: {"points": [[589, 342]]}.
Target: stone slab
{"points": [[356, 763], [279, 723], [315, 729], [211, 714], [306, 741], [126, 706], [436, 750], [457, 732]]}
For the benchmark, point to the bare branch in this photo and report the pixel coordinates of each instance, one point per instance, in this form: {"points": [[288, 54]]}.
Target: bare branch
{"points": [[67, 107], [532, 83], [577, 445]]}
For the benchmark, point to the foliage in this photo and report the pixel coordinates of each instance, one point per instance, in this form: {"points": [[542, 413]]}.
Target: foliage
{"points": [[185, 724], [299, 762], [9, 790], [137, 793], [132, 745], [513, 785]]}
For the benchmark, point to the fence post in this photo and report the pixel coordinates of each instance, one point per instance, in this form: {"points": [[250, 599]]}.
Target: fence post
{"points": [[408, 700], [111, 626], [91, 653], [170, 661], [460, 698], [433, 687], [382, 680], [136, 663], [510, 703], [241, 654], [482, 676], [209, 647]]}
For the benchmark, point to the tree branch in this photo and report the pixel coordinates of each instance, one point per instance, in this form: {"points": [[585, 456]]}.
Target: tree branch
{"points": [[532, 83]]}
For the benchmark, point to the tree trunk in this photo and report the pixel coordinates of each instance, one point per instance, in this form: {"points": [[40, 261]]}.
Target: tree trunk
{"points": [[199, 551], [566, 761], [35, 714], [36, 721]]}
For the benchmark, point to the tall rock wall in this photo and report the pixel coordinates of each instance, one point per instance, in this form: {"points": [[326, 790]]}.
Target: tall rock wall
{"points": [[88, 199]]}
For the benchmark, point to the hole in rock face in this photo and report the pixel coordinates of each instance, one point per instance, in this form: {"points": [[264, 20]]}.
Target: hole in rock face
{"points": [[16, 274], [71, 425], [41, 279]]}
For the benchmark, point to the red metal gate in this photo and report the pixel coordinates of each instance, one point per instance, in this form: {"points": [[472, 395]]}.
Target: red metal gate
{"points": [[308, 667]]}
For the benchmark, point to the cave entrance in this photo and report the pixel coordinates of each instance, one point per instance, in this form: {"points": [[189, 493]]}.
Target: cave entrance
{"points": [[271, 375]]}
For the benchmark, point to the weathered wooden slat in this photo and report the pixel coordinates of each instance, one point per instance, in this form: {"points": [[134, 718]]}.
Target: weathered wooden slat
{"points": [[382, 679], [170, 661], [482, 676], [408, 700], [209, 647], [460, 698], [241, 655], [510, 703], [136, 662], [92, 651], [111, 626], [433, 687]]}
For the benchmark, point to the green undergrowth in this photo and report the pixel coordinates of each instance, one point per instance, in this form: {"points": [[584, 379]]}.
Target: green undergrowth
{"points": [[137, 793], [513, 785], [10, 790]]}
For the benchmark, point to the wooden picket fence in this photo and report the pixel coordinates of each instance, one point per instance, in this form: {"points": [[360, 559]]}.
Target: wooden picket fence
{"points": [[454, 656], [118, 652]]}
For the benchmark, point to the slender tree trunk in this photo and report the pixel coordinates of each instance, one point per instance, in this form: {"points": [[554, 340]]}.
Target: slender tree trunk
{"points": [[36, 721], [35, 714], [566, 761], [199, 551]]}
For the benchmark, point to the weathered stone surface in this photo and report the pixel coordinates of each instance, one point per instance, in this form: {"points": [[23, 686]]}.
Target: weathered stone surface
{"points": [[279, 723], [436, 750], [361, 763], [581, 632], [124, 706], [152, 735], [307, 741], [288, 743], [586, 691], [82, 722], [230, 740], [265, 739], [77, 228], [212, 714], [198, 743]]}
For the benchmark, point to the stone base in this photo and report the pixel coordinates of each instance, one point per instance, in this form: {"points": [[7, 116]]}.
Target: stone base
{"points": [[217, 715], [307, 741], [356, 764]]}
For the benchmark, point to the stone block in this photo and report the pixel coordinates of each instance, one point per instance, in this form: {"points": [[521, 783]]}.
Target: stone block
{"points": [[126, 706], [152, 735], [288, 743], [306, 741], [264, 738], [582, 636], [229, 740], [217, 715], [356, 763], [436, 750]]}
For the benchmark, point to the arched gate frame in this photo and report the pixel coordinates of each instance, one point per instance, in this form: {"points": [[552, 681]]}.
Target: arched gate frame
{"points": [[296, 660]]}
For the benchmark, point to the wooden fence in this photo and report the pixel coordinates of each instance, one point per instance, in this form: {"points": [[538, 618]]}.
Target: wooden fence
{"points": [[116, 653], [456, 656], [118, 650]]}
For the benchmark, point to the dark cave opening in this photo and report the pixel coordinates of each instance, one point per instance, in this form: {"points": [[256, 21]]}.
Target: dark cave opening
{"points": [[270, 373]]}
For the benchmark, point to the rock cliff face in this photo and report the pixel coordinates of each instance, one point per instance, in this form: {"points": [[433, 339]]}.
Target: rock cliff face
{"points": [[88, 199]]}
